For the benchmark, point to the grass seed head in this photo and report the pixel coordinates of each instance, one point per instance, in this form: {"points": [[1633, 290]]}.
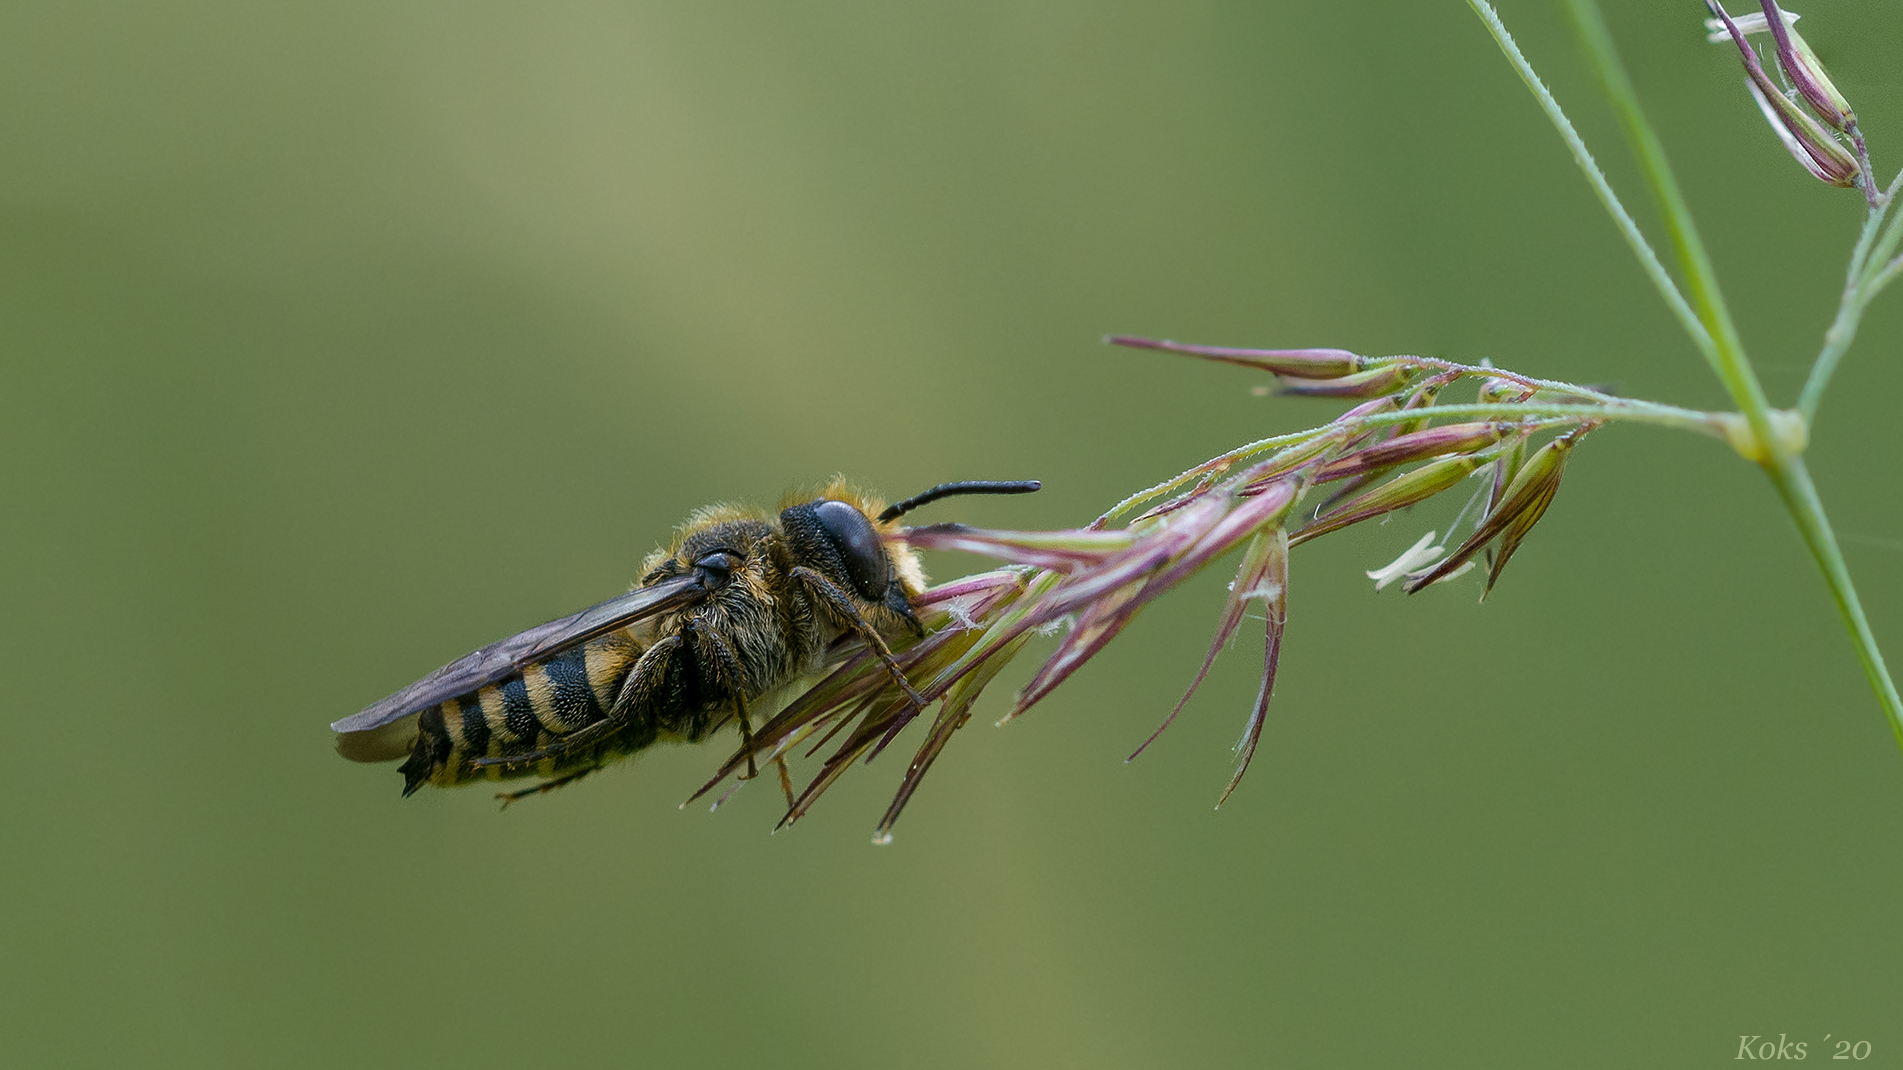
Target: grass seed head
{"points": [[1807, 140], [1806, 71]]}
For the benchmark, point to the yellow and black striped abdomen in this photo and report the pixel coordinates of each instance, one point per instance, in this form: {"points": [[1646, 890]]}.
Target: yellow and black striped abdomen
{"points": [[525, 713]]}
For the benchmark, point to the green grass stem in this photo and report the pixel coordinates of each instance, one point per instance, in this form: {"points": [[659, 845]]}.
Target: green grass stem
{"points": [[1648, 260], [1858, 290]]}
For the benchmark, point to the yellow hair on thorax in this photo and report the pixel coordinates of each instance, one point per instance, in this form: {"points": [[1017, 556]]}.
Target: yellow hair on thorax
{"points": [[704, 517]]}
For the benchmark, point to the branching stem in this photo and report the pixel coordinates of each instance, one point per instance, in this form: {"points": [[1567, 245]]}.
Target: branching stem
{"points": [[1786, 471], [1860, 285]]}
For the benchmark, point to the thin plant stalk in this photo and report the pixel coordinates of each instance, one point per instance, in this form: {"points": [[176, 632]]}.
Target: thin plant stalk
{"points": [[1860, 285], [1733, 367], [1794, 485], [1634, 237]]}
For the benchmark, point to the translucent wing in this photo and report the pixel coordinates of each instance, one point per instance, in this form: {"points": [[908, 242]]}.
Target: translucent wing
{"points": [[499, 661]]}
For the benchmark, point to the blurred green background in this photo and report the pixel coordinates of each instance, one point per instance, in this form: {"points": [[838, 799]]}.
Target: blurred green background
{"points": [[337, 340]]}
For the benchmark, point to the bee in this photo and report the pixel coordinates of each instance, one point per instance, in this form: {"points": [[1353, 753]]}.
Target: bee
{"points": [[727, 620]]}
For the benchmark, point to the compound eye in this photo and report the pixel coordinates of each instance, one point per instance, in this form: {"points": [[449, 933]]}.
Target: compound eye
{"points": [[716, 568], [858, 547]]}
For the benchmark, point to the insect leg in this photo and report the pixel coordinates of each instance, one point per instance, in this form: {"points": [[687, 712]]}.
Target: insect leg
{"points": [[644, 679], [838, 600], [786, 780], [508, 797], [556, 749], [730, 667], [640, 681]]}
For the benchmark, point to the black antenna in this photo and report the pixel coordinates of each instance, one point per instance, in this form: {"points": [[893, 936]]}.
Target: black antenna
{"points": [[946, 490]]}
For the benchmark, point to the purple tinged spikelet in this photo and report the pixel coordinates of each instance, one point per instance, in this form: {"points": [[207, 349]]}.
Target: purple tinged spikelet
{"points": [[1502, 390], [1252, 515], [1820, 154], [1806, 140], [1006, 623], [1371, 383], [1270, 472], [961, 597], [1099, 623], [1276, 611], [1517, 528], [1349, 437], [1807, 72], [1423, 398], [1107, 598], [1521, 506], [1417, 446], [1290, 363], [1250, 583], [1403, 490], [976, 653], [1505, 467], [952, 716], [1110, 584], [1377, 407], [1108, 602], [1061, 551], [1171, 538]]}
